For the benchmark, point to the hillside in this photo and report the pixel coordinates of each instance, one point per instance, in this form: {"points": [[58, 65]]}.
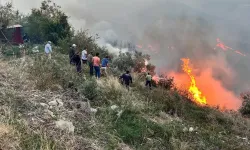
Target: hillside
{"points": [[46, 105]]}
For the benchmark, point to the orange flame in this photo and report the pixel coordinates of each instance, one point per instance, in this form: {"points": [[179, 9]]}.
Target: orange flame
{"points": [[156, 78], [224, 47], [193, 89]]}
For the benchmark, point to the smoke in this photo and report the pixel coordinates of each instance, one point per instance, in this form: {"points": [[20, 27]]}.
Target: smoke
{"points": [[172, 29]]}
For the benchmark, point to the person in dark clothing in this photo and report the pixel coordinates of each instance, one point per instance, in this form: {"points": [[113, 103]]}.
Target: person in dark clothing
{"points": [[25, 38], [127, 79], [72, 54], [77, 61], [91, 68]]}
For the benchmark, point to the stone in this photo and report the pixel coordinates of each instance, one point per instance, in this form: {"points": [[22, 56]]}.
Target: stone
{"points": [[191, 129], [53, 103], [35, 49], [65, 125], [114, 107], [44, 105], [56, 103], [50, 113], [93, 110]]}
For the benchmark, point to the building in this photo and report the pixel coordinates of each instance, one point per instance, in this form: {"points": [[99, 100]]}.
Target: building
{"points": [[13, 34]]}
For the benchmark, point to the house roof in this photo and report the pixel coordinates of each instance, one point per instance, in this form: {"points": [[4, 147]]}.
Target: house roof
{"points": [[15, 26]]}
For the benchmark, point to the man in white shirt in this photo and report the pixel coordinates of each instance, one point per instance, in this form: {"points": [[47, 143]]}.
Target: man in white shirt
{"points": [[84, 56], [48, 49]]}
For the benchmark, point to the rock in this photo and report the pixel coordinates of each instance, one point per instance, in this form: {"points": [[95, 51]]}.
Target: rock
{"points": [[50, 113], [123, 147], [93, 110], [53, 103], [245, 138], [191, 129], [44, 105], [65, 125], [114, 107], [35, 49], [56, 102]]}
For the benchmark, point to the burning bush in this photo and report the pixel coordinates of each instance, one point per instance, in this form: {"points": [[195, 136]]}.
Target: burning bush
{"points": [[245, 108], [166, 82]]}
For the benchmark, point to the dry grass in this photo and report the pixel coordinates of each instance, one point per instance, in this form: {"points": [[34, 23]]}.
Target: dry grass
{"points": [[9, 140], [25, 124], [117, 94]]}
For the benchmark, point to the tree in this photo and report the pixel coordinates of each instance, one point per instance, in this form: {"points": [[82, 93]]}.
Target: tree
{"points": [[48, 23], [245, 108], [6, 15]]}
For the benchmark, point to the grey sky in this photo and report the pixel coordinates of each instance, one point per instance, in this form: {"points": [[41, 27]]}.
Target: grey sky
{"points": [[88, 13]]}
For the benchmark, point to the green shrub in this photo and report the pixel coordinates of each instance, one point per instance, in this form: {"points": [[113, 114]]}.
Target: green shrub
{"points": [[135, 130], [89, 89]]}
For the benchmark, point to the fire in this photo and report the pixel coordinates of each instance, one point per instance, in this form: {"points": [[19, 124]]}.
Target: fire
{"points": [[193, 89], [156, 78], [224, 47]]}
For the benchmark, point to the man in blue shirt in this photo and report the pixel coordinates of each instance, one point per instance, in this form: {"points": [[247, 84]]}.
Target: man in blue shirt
{"points": [[104, 66]]}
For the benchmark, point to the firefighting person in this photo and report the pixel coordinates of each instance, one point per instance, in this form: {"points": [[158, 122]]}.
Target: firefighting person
{"points": [[127, 79], [148, 81]]}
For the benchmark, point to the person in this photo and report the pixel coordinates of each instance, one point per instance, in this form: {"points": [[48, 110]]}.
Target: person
{"points": [[89, 59], [96, 64], [105, 62], [84, 55], [25, 38], [148, 81], [127, 79], [48, 49], [77, 60], [72, 54]]}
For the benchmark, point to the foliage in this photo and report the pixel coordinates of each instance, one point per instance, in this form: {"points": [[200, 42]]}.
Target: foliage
{"points": [[83, 39], [6, 15], [48, 23], [167, 83], [89, 89], [136, 61], [245, 108], [124, 61], [135, 131]]}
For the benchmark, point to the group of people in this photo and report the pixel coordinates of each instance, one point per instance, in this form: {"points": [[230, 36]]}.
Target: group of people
{"points": [[126, 79], [95, 64]]}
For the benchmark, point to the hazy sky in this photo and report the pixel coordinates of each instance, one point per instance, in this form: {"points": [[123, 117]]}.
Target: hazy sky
{"points": [[130, 15]]}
